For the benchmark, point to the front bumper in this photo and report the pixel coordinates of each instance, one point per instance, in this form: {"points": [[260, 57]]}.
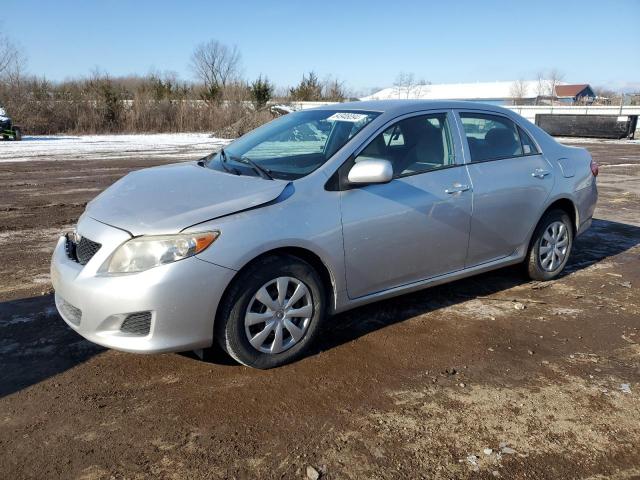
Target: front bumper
{"points": [[182, 297]]}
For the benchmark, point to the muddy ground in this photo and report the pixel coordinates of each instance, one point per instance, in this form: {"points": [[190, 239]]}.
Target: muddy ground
{"points": [[458, 381]]}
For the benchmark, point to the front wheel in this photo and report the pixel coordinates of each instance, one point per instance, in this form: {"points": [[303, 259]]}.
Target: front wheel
{"points": [[272, 312], [550, 246]]}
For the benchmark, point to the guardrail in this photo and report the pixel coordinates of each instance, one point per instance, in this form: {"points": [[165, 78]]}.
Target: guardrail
{"points": [[529, 111]]}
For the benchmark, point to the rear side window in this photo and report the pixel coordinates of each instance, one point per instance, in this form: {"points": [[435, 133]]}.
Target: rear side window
{"points": [[491, 137], [528, 147]]}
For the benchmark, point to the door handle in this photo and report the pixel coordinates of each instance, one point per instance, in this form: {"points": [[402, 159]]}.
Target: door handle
{"points": [[540, 173], [457, 188]]}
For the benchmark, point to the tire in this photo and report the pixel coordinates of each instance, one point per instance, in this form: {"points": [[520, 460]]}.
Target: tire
{"points": [[17, 134], [241, 306], [550, 247]]}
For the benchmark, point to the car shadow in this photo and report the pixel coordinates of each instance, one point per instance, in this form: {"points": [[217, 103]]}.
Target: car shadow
{"points": [[36, 344]]}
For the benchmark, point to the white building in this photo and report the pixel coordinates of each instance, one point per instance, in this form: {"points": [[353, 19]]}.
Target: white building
{"points": [[497, 93]]}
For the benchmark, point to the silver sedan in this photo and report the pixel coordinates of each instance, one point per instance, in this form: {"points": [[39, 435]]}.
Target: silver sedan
{"points": [[315, 213]]}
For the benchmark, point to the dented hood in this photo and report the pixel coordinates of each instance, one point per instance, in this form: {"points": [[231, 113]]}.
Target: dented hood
{"points": [[170, 198]]}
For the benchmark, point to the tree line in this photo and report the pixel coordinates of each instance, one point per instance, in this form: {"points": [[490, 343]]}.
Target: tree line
{"points": [[220, 100]]}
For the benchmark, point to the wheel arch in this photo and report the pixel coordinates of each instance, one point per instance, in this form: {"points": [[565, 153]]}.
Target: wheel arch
{"points": [[562, 203], [569, 207], [313, 259]]}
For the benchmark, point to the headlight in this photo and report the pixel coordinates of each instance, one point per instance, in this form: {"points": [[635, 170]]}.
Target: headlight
{"points": [[143, 253]]}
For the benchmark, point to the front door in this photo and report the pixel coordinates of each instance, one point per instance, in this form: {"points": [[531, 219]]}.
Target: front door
{"points": [[416, 226]]}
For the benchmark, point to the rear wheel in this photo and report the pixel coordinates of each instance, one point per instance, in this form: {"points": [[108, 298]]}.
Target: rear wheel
{"points": [[272, 312], [550, 246]]}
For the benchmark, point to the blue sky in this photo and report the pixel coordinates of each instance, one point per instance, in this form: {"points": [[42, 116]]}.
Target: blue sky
{"points": [[364, 43]]}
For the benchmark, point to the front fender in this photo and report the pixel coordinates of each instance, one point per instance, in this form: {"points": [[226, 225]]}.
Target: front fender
{"points": [[310, 222]]}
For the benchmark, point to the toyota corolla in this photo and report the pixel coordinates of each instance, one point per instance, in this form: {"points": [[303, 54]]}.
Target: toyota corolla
{"points": [[314, 213]]}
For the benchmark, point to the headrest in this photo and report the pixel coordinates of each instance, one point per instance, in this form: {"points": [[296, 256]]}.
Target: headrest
{"points": [[500, 137]]}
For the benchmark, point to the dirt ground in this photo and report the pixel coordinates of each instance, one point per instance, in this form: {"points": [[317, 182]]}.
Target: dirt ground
{"points": [[493, 376]]}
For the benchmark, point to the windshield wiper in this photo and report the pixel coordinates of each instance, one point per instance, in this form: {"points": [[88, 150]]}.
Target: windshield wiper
{"points": [[203, 161], [224, 161], [262, 171]]}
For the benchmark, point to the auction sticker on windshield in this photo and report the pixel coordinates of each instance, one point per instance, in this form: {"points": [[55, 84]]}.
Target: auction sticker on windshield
{"points": [[347, 117]]}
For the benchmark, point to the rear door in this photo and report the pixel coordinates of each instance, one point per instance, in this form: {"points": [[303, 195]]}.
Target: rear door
{"points": [[511, 181], [416, 226]]}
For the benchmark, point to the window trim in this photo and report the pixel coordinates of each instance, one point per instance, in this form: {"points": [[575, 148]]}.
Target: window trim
{"points": [[465, 141]]}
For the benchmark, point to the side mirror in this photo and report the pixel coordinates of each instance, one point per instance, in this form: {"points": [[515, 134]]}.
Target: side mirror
{"points": [[370, 170]]}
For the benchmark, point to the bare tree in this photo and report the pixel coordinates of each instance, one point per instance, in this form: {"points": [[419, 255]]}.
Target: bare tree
{"points": [[11, 59], [541, 86], [547, 83], [404, 84], [216, 65], [606, 96], [333, 90], [421, 87], [555, 78], [519, 91]]}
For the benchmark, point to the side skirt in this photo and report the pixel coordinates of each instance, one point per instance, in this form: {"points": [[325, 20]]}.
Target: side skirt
{"points": [[345, 303]]}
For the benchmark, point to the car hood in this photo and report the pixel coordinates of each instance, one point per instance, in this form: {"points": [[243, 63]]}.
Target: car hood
{"points": [[170, 198]]}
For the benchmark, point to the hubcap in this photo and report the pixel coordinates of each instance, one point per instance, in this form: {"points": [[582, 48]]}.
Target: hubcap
{"points": [[554, 246], [278, 315]]}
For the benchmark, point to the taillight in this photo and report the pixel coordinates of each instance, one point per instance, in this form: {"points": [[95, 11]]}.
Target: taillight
{"points": [[594, 168]]}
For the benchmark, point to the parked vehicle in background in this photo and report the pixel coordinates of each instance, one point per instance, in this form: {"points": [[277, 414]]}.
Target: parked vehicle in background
{"points": [[8, 131], [315, 213]]}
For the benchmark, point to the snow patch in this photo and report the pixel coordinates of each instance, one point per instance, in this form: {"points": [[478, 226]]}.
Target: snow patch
{"points": [[113, 147], [596, 140]]}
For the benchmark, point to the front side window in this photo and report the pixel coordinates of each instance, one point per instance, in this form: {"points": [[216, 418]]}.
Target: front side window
{"points": [[414, 145], [296, 144], [490, 137]]}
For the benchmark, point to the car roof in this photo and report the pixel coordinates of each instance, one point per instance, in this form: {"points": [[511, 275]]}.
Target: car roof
{"points": [[406, 106]]}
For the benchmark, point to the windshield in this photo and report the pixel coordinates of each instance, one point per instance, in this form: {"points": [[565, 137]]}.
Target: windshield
{"points": [[294, 145]]}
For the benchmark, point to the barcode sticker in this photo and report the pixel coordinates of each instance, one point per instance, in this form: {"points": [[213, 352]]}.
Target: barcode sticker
{"points": [[347, 117]]}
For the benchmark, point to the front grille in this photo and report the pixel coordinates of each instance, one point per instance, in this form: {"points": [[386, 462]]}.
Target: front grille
{"points": [[137, 323], [86, 249], [68, 311], [82, 251]]}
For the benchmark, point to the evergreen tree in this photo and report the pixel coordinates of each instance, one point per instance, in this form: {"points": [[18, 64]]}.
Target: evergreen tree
{"points": [[309, 89], [261, 91]]}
